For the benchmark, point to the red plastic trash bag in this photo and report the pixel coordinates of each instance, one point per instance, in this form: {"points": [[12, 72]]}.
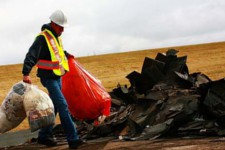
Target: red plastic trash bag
{"points": [[86, 97]]}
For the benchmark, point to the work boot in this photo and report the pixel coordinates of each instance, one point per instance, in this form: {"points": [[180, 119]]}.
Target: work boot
{"points": [[75, 144], [50, 141]]}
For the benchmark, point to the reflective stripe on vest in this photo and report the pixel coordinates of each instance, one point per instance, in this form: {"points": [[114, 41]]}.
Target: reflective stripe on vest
{"points": [[58, 63], [48, 65]]}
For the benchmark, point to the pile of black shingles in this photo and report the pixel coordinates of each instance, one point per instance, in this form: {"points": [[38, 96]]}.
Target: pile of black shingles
{"points": [[164, 100]]}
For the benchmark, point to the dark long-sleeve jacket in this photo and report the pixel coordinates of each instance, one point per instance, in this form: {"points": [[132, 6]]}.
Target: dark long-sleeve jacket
{"points": [[39, 50]]}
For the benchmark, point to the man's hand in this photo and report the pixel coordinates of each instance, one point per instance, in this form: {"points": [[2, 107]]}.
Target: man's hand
{"points": [[27, 79], [70, 56]]}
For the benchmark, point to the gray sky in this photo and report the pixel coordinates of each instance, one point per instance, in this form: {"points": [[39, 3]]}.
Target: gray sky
{"points": [[111, 26]]}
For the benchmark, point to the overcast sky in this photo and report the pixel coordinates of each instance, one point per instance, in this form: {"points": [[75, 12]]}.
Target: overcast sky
{"points": [[111, 26]]}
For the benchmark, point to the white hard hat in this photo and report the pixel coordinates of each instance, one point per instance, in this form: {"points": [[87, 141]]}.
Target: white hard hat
{"points": [[59, 18]]}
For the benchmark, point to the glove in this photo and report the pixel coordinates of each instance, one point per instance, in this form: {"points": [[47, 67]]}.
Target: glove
{"points": [[70, 56], [27, 79]]}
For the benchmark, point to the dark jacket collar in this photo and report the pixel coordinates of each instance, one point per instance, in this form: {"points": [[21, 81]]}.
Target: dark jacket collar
{"points": [[48, 27]]}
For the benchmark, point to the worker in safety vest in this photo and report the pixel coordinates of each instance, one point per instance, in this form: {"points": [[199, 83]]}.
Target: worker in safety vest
{"points": [[48, 55]]}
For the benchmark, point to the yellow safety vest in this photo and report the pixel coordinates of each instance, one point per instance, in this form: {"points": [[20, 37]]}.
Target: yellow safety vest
{"points": [[58, 62]]}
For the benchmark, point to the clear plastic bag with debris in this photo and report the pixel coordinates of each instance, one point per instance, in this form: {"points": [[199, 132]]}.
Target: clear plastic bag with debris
{"points": [[26, 100], [39, 108], [12, 111]]}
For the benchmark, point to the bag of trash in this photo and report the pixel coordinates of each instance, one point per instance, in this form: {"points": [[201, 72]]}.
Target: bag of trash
{"points": [[39, 108], [86, 97], [12, 111]]}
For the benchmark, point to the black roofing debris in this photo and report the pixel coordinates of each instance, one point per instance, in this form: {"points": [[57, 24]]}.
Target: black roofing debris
{"points": [[164, 100]]}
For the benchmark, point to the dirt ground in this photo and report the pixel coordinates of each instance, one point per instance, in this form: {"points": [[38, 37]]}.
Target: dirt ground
{"points": [[187, 143]]}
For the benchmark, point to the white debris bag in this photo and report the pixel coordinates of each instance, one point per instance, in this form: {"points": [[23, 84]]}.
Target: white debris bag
{"points": [[26, 100], [39, 108], [12, 111]]}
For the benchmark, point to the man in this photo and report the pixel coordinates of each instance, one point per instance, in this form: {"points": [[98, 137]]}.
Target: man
{"points": [[48, 55]]}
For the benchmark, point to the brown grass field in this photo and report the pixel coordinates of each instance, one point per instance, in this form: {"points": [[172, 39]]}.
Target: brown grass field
{"points": [[112, 69]]}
